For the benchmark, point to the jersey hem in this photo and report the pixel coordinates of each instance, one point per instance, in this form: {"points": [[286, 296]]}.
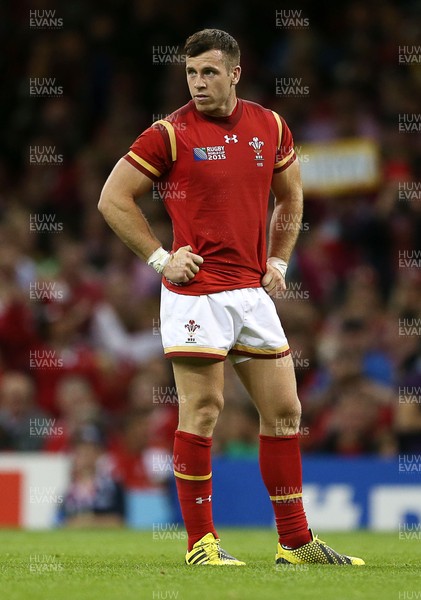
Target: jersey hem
{"points": [[187, 291]]}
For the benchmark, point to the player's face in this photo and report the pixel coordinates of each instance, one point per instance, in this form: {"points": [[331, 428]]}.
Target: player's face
{"points": [[211, 83]]}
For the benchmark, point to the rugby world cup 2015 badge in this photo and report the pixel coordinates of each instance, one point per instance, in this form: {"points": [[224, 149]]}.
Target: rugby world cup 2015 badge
{"points": [[200, 154], [209, 153], [191, 327], [257, 146]]}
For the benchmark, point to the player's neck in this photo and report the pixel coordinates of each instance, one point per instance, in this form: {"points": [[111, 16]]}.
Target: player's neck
{"points": [[226, 110]]}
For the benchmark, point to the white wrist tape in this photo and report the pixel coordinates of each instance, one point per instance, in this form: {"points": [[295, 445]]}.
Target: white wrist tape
{"points": [[279, 264], [159, 259]]}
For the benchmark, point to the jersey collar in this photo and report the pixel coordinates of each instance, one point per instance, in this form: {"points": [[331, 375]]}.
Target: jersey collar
{"points": [[225, 122]]}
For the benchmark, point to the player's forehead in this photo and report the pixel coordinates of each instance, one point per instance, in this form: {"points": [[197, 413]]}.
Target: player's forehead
{"points": [[210, 58]]}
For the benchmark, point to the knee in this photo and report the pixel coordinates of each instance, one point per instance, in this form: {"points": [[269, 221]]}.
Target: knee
{"points": [[201, 414], [285, 418], [207, 415], [288, 420]]}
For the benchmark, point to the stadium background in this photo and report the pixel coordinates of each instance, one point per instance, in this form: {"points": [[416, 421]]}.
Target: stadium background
{"points": [[80, 354]]}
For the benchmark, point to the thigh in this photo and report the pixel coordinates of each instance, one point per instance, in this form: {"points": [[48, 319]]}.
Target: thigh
{"points": [[272, 386], [200, 387], [197, 377]]}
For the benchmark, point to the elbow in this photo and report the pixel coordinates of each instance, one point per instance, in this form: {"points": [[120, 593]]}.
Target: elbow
{"points": [[114, 199], [104, 202]]}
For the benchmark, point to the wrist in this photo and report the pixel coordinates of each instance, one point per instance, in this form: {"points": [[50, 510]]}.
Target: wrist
{"points": [[279, 264], [159, 259]]}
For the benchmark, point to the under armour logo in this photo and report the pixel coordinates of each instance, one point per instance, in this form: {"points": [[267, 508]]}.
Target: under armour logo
{"points": [[229, 139], [202, 500]]}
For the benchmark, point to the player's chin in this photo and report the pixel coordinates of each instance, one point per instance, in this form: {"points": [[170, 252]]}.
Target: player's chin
{"points": [[204, 105]]}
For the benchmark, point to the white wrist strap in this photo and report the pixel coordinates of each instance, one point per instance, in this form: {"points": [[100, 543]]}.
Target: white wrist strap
{"points": [[279, 264], [159, 259]]}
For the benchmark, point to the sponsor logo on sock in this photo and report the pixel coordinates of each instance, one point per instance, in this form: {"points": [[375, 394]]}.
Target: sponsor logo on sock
{"points": [[202, 500]]}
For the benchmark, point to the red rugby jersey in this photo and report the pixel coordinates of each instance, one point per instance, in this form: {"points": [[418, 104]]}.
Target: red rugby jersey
{"points": [[214, 176]]}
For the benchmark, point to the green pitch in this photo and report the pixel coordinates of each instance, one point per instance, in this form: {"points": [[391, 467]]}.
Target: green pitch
{"points": [[129, 565]]}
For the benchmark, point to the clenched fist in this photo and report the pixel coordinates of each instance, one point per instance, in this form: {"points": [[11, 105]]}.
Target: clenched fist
{"points": [[182, 266]]}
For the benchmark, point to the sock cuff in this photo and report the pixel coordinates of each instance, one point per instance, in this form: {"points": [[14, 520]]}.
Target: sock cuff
{"points": [[192, 438], [278, 438]]}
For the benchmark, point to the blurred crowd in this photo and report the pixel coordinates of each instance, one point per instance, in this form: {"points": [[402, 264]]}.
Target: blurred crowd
{"points": [[81, 362]]}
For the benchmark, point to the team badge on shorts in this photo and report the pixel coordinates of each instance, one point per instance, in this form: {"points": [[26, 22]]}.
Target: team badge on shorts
{"points": [[191, 327]]}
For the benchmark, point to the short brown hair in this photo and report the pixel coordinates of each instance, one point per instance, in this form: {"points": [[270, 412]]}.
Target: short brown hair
{"points": [[213, 39]]}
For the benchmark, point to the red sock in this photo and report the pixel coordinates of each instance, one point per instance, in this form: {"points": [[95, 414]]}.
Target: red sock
{"points": [[193, 477], [280, 465]]}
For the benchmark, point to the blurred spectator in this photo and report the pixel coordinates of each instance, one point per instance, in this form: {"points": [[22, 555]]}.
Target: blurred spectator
{"points": [[242, 425], [94, 497], [154, 391], [144, 468], [114, 321], [351, 414], [138, 461], [23, 425], [359, 422], [77, 406]]}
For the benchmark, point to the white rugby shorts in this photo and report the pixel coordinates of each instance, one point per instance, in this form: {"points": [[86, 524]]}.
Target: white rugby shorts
{"points": [[240, 323]]}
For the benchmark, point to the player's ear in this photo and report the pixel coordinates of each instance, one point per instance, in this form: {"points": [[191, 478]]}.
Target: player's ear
{"points": [[235, 75]]}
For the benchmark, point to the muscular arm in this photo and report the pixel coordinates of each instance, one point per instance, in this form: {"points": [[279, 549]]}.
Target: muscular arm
{"points": [[285, 223], [118, 207]]}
